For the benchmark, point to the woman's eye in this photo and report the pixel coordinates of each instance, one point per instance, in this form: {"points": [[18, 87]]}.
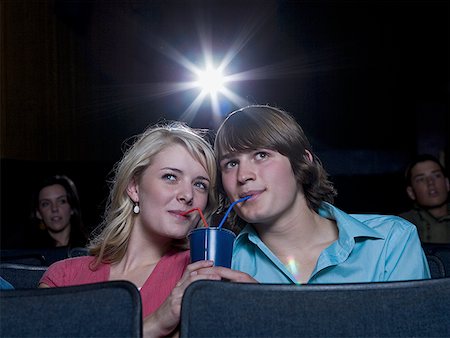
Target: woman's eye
{"points": [[170, 177], [44, 204], [201, 185], [63, 201]]}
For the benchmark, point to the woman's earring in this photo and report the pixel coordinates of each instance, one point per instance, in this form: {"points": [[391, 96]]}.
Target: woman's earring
{"points": [[136, 208]]}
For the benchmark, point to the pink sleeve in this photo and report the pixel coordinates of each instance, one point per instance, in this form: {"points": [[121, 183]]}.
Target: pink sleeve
{"points": [[74, 271], [54, 276]]}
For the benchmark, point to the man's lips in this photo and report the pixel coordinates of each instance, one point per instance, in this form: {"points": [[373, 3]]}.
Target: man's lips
{"points": [[250, 194]]}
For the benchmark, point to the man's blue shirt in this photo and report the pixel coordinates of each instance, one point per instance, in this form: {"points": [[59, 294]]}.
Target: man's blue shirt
{"points": [[370, 248]]}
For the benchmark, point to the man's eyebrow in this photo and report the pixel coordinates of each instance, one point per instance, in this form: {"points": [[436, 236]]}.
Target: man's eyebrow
{"points": [[226, 156]]}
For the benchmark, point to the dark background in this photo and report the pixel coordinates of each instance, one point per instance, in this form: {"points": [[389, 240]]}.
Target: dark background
{"points": [[368, 81]]}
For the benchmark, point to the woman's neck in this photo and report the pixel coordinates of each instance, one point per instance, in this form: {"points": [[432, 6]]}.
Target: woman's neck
{"points": [[143, 249], [62, 237]]}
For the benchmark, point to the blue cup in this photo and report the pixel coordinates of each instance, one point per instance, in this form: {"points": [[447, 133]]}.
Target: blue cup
{"points": [[212, 243]]}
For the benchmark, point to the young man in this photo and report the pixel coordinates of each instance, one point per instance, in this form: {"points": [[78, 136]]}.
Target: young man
{"points": [[292, 233], [427, 185]]}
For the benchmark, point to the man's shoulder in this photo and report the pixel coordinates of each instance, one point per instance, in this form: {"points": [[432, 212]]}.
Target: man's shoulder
{"points": [[386, 224]]}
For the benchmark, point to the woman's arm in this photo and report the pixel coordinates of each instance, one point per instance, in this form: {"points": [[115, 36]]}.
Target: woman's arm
{"points": [[164, 321]]}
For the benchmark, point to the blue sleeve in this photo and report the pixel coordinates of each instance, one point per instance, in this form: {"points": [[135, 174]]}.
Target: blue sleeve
{"points": [[405, 259], [4, 285]]}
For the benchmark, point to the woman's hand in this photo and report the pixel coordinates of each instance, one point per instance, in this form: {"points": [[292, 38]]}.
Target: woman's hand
{"points": [[165, 320], [228, 274]]}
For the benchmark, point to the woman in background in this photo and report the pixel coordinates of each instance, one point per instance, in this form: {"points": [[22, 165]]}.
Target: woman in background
{"points": [[57, 215]]}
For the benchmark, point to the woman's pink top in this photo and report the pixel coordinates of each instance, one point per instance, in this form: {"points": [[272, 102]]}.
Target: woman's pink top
{"points": [[158, 286]]}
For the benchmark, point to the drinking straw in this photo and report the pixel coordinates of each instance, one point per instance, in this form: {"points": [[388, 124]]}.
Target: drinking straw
{"points": [[201, 215], [231, 207]]}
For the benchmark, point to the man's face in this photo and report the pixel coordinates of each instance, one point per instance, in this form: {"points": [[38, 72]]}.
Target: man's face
{"points": [[428, 187]]}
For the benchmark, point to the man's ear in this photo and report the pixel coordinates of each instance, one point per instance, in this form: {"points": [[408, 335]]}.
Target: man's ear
{"points": [[38, 215], [410, 192], [447, 184], [133, 190], [309, 156]]}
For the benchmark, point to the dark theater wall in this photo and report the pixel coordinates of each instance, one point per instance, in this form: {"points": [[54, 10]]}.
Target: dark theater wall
{"points": [[368, 81]]}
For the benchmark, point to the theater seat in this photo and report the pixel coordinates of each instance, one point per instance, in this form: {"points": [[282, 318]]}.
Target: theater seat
{"points": [[22, 276], [108, 309], [390, 309], [437, 268]]}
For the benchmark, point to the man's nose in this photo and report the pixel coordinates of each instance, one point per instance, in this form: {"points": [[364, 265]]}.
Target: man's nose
{"points": [[246, 172]]}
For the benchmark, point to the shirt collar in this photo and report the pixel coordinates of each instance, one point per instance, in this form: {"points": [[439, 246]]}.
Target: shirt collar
{"points": [[349, 227]]}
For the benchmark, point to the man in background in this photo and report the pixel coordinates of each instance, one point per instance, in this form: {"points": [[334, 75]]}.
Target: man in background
{"points": [[427, 185]]}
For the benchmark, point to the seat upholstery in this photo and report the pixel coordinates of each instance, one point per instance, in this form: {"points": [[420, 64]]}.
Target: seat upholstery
{"points": [[390, 309], [22, 276], [107, 309]]}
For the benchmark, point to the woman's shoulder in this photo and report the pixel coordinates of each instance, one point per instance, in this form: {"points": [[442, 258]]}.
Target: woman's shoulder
{"points": [[74, 262], [73, 271]]}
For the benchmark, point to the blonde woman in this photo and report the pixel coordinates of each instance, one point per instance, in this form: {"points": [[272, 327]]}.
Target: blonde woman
{"points": [[169, 170]]}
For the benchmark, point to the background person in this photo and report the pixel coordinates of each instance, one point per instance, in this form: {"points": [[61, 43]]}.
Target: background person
{"points": [[427, 186], [292, 233], [169, 170], [56, 215]]}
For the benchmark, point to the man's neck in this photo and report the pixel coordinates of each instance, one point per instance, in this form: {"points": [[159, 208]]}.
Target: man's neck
{"points": [[439, 212]]}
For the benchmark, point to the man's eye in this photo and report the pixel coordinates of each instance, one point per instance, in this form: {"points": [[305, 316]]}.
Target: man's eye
{"points": [[261, 155], [44, 204], [230, 164]]}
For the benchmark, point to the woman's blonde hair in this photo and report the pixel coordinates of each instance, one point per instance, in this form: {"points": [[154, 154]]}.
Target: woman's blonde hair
{"points": [[109, 243]]}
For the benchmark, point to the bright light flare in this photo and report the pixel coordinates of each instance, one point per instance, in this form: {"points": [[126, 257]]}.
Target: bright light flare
{"points": [[211, 81]]}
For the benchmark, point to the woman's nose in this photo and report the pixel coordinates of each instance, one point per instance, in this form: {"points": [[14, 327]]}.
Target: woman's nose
{"points": [[185, 195]]}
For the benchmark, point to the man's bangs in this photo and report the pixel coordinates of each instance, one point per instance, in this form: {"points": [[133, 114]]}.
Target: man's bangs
{"points": [[241, 138]]}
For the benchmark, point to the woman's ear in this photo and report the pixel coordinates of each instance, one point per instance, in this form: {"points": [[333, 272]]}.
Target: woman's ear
{"points": [[309, 156], [133, 190], [38, 215]]}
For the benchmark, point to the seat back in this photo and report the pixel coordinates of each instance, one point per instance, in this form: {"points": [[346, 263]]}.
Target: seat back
{"points": [[20, 256], [108, 309], [437, 269], [442, 252], [22, 276], [390, 309], [444, 255]]}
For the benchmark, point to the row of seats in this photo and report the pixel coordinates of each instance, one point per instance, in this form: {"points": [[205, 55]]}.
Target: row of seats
{"points": [[43, 257], [223, 309], [23, 276]]}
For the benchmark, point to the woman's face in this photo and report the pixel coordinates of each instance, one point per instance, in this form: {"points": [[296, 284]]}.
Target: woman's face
{"points": [[172, 184], [54, 209]]}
